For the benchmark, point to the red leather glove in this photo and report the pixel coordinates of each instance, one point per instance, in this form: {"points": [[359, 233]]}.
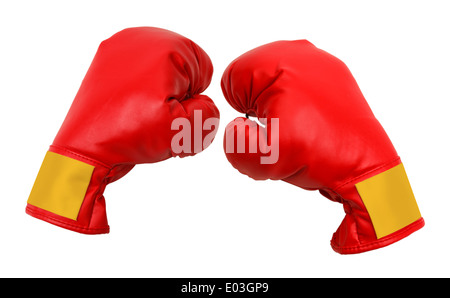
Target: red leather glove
{"points": [[140, 81], [319, 134]]}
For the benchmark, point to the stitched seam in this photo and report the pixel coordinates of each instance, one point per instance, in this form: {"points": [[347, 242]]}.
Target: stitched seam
{"points": [[96, 162], [41, 215], [368, 173], [385, 240]]}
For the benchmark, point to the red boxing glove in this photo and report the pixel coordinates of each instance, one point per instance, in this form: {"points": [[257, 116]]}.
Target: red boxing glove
{"points": [[319, 134], [141, 82]]}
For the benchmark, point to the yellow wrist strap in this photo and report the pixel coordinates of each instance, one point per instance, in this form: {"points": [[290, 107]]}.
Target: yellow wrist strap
{"points": [[389, 199], [61, 185]]}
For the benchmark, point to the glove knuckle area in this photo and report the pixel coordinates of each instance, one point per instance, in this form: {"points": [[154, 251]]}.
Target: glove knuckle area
{"points": [[256, 150]]}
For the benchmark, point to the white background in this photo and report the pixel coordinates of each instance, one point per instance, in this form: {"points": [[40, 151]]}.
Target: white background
{"points": [[199, 217]]}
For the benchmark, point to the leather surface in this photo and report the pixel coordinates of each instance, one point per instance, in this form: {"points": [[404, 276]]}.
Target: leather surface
{"points": [[329, 138], [140, 80]]}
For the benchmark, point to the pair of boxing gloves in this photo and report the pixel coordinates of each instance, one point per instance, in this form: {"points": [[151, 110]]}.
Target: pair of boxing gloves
{"points": [[315, 131]]}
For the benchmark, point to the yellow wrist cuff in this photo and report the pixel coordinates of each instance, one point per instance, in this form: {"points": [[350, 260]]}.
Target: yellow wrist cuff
{"points": [[389, 200], [61, 185]]}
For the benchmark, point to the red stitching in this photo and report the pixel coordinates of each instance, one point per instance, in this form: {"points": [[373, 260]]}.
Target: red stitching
{"points": [[368, 173], [96, 162], [46, 217], [400, 234]]}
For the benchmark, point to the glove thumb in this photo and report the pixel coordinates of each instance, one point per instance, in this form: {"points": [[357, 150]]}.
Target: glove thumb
{"points": [[253, 149]]}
